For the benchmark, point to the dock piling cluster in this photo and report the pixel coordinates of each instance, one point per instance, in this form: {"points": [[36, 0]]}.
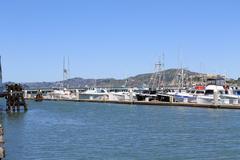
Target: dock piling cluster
{"points": [[15, 97]]}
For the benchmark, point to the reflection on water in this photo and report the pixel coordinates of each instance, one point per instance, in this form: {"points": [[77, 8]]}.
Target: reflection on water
{"points": [[69, 130], [15, 115]]}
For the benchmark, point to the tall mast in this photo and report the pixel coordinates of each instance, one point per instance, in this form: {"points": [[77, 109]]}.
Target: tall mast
{"points": [[1, 84], [163, 69], [156, 81], [68, 68], [65, 70], [158, 74], [182, 77]]}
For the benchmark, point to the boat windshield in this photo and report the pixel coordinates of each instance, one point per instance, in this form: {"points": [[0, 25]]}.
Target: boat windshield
{"points": [[207, 92], [199, 92], [216, 81], [237, 92]]}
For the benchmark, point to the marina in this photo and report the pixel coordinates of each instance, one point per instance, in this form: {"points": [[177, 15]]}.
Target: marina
{"points": [[119, 80], [215, 94], [184, 88]]}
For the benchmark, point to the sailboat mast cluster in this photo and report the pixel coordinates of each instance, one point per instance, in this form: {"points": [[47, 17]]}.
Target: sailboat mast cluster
{"points": [[157, 79]]}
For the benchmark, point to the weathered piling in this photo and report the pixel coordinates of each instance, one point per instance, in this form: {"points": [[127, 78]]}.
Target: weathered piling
{"points": [[2, 150], [2, 153], [15, 97]]}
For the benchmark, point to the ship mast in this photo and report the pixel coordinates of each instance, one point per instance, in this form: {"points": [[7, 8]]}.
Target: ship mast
{"points": [[157, 79], [66, 70], [1, 83]]}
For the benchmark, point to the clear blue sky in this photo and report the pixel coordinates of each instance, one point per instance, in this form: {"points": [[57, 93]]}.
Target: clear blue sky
{"points": [[117, 38]]}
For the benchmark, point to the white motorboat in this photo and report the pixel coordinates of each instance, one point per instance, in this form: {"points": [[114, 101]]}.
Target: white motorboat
{"points": [[211, 96], [121, 94], [61, 94], [94, 94], [188, 95]]}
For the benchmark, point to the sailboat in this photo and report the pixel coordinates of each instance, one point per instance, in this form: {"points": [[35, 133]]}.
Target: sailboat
{"points": [[156, 86]]}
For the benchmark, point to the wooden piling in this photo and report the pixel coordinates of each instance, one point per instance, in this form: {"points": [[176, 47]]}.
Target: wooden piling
{"points": [[2, 150], [1, 140], [15, 98], [2, 153], [1, 131]]}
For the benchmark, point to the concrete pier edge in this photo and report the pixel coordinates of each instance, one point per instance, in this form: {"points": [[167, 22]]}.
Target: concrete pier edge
{"points": [[155, 103]]}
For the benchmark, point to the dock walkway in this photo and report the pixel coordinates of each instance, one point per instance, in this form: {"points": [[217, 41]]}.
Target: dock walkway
{"points": [[157, 103]]}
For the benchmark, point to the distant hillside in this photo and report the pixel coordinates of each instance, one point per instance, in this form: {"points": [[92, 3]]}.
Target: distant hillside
{"points": [[135, 81]]}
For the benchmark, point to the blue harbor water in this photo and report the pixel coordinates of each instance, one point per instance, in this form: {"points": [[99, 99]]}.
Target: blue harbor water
{"points": [[82, 131]]}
